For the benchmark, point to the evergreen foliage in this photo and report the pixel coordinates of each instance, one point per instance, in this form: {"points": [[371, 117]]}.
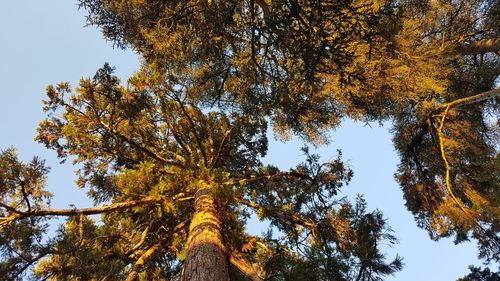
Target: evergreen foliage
{"points": [[173, 156], [479, 274], [429, 67], [144, 150]]}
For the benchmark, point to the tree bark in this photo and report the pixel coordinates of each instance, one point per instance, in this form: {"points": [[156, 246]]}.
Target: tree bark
{"points": [[206, 258]]}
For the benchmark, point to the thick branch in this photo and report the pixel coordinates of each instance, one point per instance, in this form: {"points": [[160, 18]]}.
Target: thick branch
{"points": [[85, 211], [144, 234], [480, 47], [264, 5], [139, 264], [469, 100]]}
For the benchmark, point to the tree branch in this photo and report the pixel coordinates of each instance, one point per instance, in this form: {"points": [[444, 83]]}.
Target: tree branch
{"points": [[269, 177], [124, 138], [264, 5], [84, 211], [139, 264], [193, 129], [244, 266], [140, 147], [480, 47], [469, 100]]}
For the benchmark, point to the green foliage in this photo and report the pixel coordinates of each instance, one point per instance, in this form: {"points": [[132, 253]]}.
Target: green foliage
{"points": [[21, 188], [308, 64], [215, 74], [470, 138], [147, 141], [234, 54]]}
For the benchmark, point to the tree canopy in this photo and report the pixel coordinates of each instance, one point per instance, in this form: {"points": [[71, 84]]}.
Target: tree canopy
{"points": [[172, 158], [429, 67]]}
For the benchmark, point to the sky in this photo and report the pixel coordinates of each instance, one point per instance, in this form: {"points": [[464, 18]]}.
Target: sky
{"points": [[46, 42]]}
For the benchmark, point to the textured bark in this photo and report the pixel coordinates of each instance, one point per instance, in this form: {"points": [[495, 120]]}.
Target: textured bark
{"points": [[206, 258]]}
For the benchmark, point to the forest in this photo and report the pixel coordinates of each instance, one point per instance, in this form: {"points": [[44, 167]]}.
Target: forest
{"points": [[172, 158]]}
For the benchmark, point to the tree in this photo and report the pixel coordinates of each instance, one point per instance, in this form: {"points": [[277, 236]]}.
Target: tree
{"points": [[429, 67], [175, 187]]}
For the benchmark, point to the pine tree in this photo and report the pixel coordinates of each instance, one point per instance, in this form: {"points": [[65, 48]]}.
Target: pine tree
{"points": [[174, 186]]}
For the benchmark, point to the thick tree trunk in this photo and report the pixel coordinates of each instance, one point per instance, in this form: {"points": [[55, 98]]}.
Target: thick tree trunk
{"points": [[206, 258]]}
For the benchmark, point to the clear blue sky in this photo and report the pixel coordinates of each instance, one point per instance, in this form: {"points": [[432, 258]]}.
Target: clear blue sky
{"points": [[45, 42]]}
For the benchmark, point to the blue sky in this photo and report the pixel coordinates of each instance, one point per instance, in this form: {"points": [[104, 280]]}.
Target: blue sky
{"points": [[45, 42]]}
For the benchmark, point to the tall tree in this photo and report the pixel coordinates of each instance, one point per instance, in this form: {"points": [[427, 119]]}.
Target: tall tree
{"points": [[175, 186], [428, 66]]}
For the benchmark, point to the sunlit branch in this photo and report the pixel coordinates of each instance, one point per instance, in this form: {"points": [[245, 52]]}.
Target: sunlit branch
{"points": [[469, 100], [144, 234], [139, 264], [457, 201], [84, 211], [144, 257], [480, 47], [445, 160]]}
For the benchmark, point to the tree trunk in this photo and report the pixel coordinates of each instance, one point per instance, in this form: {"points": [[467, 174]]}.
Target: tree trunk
{"points": [[206, 258]]}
